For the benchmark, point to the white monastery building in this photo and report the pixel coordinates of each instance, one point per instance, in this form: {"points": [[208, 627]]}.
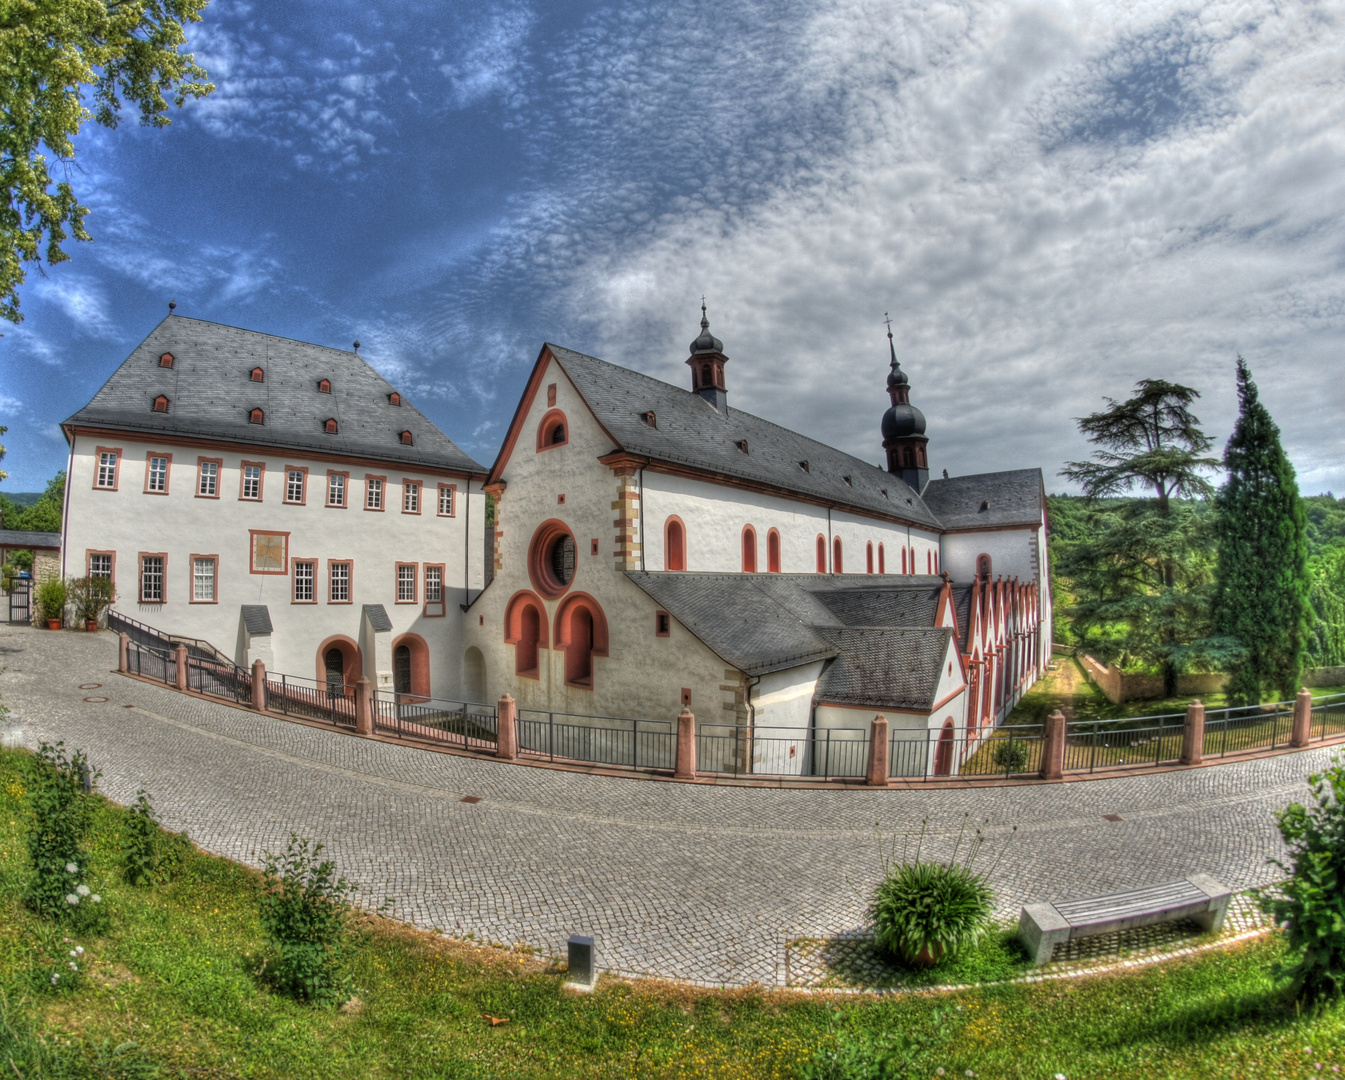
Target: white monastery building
{"points": [[653, 548]]}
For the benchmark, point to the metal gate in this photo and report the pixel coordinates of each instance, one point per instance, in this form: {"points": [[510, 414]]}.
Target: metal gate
{"points": [[21, 601]]}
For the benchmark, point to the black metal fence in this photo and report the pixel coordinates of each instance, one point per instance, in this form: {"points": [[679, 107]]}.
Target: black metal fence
{"points": [[618, 742], [469, 725]]}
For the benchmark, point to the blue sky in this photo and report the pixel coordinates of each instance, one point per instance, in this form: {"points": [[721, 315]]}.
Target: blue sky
{"points": [[1052, 199]]}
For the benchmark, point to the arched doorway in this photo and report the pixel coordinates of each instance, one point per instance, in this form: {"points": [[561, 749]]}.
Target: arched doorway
{"points": [[581, 630], [401, 670], [340, 664], [410, 668], [943, 753], [334, 664], [474, 676]]}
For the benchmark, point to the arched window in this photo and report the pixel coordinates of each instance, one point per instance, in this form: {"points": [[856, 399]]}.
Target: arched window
{"points": [[903, 560], [912, 560], [674, 545], [706, 378], [773, 551], [929, 562], [943, 755], [837, 562], [529, 633], [581, 630], [749, 550], [868, 558], [553, 430], [821, 554], [552, 558], [882, 560], [983, 566]]}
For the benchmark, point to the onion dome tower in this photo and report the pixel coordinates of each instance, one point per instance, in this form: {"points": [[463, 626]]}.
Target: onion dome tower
{"points": [[707, 362], [904, 427]]}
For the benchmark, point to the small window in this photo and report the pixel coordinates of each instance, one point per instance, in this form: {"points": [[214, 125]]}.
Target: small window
{"points": [[107, 469], [256, 416], [157, 478], [849, 481], [884, 492], [166, 360], [674, 546], [446, 493], [161, 403], [773, 552], [984, 507], [338, 583], [650, 420], [882, 560], [208, 482], [983, 566], [336, 489], [434, 584], [550, 395], [329, 426], [294, 485], [821, 554], [324, 386], [395, 399], [257, 375], [100, 565], [406, 438], [804, 466], [305, 571], [593, 547], [662, 624], [741, 444], [252, 482], [837, 563], [406, 583], [410, 497], [868, 558], [749, 550], [203, 580], [151, 579], [373, 493]]}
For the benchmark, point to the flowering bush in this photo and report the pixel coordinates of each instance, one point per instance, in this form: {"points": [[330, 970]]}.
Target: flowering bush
{"points": [[58, 823], [304, 908]]}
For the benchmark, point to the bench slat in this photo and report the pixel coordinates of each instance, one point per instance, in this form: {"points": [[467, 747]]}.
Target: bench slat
{"points": [[1128, 904]]}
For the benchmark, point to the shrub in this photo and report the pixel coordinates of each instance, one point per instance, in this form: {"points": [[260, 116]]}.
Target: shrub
{"points": [[303, 916], [1312, 904], [140, 843], [1011, 755], [22, 560], [91, 596], [51, 596], [58, 823], [58, 963]]}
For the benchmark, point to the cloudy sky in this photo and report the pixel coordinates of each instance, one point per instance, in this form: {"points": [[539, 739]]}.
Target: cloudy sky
{"points": [[1053, 200]]}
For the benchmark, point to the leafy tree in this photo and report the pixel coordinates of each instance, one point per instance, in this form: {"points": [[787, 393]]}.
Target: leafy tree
{"points": [[43, 516], [54, 56], [1261, 598], [3, 475], [1140, 568], [1326, 595]]}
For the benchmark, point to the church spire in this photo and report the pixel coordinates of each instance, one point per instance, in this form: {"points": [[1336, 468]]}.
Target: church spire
{"points": [[903, 425], [707, 362]]}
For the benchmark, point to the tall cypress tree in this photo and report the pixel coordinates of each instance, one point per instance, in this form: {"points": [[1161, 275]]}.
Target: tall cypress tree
{"points": [[1261, 584]]}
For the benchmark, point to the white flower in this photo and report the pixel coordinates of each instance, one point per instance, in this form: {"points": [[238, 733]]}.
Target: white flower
{"points": [[79, 949], [71, 899], [73, 954], [54, 978], [71, 868], [83, 890], [96, 898], [73, 966]]}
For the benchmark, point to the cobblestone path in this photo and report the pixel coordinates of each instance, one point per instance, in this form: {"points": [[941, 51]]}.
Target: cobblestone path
{"points": [[690, 882]]}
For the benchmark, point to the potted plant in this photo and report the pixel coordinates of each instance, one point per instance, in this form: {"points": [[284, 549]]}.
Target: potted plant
{"points": [[51, 597], [91, 596]]}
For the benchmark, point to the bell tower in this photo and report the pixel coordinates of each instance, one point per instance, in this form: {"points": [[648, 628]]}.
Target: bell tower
{"points": [[707, 362], [904, 427]]}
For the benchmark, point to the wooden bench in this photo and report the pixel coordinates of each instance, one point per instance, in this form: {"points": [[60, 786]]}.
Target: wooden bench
{"points": [[1042, 926]]}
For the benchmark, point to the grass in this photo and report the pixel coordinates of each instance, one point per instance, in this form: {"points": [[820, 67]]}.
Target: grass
{"points": [[173, 993]]}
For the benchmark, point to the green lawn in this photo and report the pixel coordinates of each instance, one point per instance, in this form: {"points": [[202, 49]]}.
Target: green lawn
{"points": [[173, 993]]}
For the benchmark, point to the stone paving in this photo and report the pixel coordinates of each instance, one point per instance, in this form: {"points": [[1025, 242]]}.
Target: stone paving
{"points": [[700, 883]]}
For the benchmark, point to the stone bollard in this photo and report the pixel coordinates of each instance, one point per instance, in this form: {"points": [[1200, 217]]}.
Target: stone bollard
{"points": [[506, 738], [876, 773], [684, 765], [364, 706], [1193, 734], [1053, 747], [180, 666], [259, 685], [124, 660], [1302, 729]]}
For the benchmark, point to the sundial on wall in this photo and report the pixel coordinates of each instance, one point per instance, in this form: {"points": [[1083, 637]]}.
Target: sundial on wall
{"points": [[268, 551]]}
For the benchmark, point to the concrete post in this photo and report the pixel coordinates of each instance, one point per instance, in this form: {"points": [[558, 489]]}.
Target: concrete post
{"points": [[180, 666], [1193, 735], [364, 706], [506, 738], [124, 662], [1298, 735], [684, 765], [1053, 747], [259, 685], [876, 774]]}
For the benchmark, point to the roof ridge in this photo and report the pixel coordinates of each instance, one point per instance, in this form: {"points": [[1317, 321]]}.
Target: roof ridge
{"points": [[263, 333]]}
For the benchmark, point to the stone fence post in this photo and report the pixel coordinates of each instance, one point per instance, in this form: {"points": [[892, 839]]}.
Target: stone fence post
{"points": [[876, 773], [124, 659], [1298, 735], [1193, 734], [506, 739], [1053, 747], [180, 666], [684, 765], [364, 706], [259, 685]]}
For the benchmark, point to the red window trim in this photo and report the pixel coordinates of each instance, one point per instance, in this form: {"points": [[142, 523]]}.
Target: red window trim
{"points": [[420, 666], [544, 536], [439, 500], [335, 506], [252, 551], [253, 372], [667, 548], [420, 495], [561, 634], [219, 476], [89, 553], [168, 471], [397, 579], [748, 531], [140, 577], [547, 426], [98, 453], [821, 554], [868, 557], [774, 555], [837, 556], [383, 502], [551, 395], [261, 481], [286, 481], [513, 625], [350, 582], [903, 560], [882, 559], [294, 578], [191, 579], [442, 603]]}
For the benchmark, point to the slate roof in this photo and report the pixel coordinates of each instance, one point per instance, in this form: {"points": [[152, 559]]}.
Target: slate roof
{"points": [[28, 539], [884, 668], [210, 395], [1013, 497], [768, 622], [690, 431], [377, 615], [257, 618]]}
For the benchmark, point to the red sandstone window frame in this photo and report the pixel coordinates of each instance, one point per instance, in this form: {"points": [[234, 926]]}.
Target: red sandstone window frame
{"points": [[295, 563], [257, 374], [257, 415], [674, 554], [837, 556], [821, 554], [544, 539], [349, 564], [169, 357], [408, 485], [551, 395], [324, 386], [749, 545], [89, 553], [984, 560], [434, 609], [201, 463], [303, 488], [382, 493], [868, 557], [252, 551], [167, 471], [160, 398], [242, 481], [395, 399], [564, 629], [552, 420], [98, 468], [903, 560], [452, 490], [882, 559], [397, 583], [513, 631], [344, 504], [773, 551], [140, 577], [191, 578]]}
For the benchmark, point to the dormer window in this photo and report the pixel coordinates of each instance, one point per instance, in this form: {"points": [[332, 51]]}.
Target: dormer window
{"points": [[257, 375], [406, 438], [849, 482], [324, 386], [256, 416], [803, 465], [884, 491], [984, 507], [329, 426], [650, 420], [166, 360], [741, 444], [161, 403], [395, 399]]}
